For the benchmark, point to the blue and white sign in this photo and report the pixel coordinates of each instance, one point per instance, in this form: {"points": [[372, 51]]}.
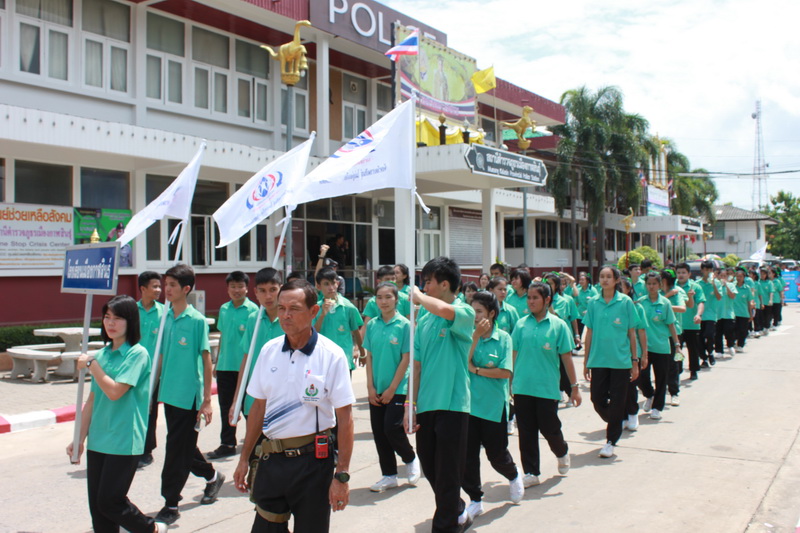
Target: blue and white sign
{"points": [[91, 268], [790, 278]]}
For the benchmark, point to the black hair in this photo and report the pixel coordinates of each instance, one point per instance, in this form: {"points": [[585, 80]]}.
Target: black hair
{"points": [[647, 263], [327, 273], [669, 276], [387, 285], [309, 293], [124, 307], [632, 266], [295, 274], [470, 285], [237, 276], [443, 269], [498, 266], [524, 277], [404, 271], [653, 275], [183, 273], [626, 283], [615, 273], [495, 281], [489, 302], [542, 288], [147, 276], [684, 266], [267, 275], [556, 278], [707, 264], [385, 271]]}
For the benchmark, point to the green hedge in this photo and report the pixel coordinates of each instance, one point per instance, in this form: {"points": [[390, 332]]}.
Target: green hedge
{"points": [[21, 335], [635, 258]]}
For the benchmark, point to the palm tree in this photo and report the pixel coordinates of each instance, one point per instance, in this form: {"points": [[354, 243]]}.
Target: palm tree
{"points": [[694, 193]]}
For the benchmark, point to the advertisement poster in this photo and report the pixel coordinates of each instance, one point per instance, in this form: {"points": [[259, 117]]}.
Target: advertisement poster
{"points": [[34, 236], [109, 223], [657, 201], [443, 78], [790, 291]]}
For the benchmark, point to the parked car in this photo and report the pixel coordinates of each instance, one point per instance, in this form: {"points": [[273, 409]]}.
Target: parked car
{"points": [[789, 264], [694, 267], [747, 264]]}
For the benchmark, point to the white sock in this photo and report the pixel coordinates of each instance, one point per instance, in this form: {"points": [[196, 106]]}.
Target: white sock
{"points": [[213, 479], [463, 517]]}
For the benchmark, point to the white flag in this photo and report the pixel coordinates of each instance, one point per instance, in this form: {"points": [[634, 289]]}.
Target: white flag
{"points": [[263, 193], [175, 201], [380, 157], [760, 253]]}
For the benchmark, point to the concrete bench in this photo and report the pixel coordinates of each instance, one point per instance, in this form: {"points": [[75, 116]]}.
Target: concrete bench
{"points": [[34, 359]]}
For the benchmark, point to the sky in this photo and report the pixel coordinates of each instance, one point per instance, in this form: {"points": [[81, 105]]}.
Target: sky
{"points": [[693, 68]]}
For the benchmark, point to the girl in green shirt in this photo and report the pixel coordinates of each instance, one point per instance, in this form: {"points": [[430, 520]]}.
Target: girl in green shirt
{"points": [[402, 279], [742, 309], [387, 347], [777, 296], [114, 418], [507, 316], [490, 365], [582, 293], [632, 401]]}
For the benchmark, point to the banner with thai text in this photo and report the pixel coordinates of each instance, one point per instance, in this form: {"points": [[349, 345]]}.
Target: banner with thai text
{"points": [[34, 236]]}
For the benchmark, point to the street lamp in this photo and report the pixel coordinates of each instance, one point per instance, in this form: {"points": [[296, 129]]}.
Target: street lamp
{"points": [[706, 235], [629, 225]]}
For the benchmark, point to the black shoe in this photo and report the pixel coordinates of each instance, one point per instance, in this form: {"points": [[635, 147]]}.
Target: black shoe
{"points": [[145, 460], [711, 360], [466, 525], [693, 375], [223, 451], [167, 515], [212, 490]]}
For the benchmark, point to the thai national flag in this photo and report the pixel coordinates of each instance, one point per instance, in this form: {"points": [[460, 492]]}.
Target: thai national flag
{"points": [[642, 179], [408, 47]]}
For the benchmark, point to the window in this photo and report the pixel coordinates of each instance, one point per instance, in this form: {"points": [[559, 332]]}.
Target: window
{"points": [[300, 104], [621, 238], [105, 189], [165, 59], [106, 49], [354, 109], [208, 197], [342, 207], [155, 185], [718, 231], [513, 233], [44, 37], [565, 238], [42, 183], [546, 231], [488, 126], [319, 210], [210, 52], [384, 103], [363, 209], [252, 66]]}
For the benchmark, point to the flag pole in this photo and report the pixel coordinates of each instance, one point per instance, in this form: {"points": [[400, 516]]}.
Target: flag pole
{"points": [[76, 436], [412, 192]]}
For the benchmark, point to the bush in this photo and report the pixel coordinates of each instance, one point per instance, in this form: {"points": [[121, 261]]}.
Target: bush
{"points": [[693, 257], [635, 258], [731, 260], [652, 255], [21, 335]]}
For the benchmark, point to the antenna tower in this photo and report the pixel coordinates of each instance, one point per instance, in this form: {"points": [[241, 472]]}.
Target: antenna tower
{"points": [[760, 192]]}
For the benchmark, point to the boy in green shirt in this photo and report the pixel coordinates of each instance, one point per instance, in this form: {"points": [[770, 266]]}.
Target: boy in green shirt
{"points": [[185, 391], [708, 326], [231, 324], [692, 318], [338, 319], [441, 386], [150, 312]]}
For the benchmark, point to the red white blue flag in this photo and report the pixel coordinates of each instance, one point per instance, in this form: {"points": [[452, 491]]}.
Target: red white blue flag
{"points": [[408, 47], [642, 179]]}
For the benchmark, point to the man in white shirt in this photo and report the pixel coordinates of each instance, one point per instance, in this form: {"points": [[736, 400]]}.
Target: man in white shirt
{"points": [[301, 386]]}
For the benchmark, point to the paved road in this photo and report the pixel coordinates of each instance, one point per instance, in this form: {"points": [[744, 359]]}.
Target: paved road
{"points": [[726, 460]]}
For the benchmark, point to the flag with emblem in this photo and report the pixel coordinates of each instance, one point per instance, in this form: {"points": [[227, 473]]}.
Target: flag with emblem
{"points": [[262, 195], [484, 80]]}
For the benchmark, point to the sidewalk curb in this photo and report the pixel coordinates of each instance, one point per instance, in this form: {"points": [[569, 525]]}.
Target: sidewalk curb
{"points": [[36, 419]]}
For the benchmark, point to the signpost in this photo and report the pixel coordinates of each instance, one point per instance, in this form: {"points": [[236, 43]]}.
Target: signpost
{"points": [[493, 162], [88, 269]]}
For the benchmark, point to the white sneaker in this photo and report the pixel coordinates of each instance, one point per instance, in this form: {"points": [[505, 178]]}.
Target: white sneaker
{"points": [[675, 401], [732, 351], [161, 527], [529, 480], [607, 450], [385, 483], [475, 509], [563, 464], [648, 405], [772, 328], [413, 472], [510, 428], [632, 423], [739, 350], [756, 334], [655, 414], [516, 488]]}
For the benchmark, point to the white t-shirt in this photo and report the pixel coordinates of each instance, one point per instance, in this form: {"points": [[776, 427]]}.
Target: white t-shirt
{"points": [[297, 383]]}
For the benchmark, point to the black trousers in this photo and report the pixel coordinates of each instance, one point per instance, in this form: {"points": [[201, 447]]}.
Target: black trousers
{"points": [[534, 416], [152, 421], [493, 436], [564, 383], [766, 317], [691, 339], [442, 451], [725, 329], [226, 395], [609, 387], [659, 362], [389, 435], [675, 369], [182, 456], [776, 313], [296, 485], [707, 331], [741, 326], [758, 320], [108, 479]]}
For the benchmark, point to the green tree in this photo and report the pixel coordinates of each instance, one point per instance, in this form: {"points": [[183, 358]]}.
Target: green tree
{"points": [[649, 253], [784, 237], [731, 260], [633, 258]]}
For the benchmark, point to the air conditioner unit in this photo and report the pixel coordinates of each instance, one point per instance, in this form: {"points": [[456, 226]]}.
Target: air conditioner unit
{"points": [[733, 239]]}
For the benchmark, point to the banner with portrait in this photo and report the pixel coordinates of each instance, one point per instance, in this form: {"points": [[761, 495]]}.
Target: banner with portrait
{"points": [[109, 223]]}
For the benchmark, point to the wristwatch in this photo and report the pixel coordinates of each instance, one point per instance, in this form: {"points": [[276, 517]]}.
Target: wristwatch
{"points": [[342, 477], [89, 363]]}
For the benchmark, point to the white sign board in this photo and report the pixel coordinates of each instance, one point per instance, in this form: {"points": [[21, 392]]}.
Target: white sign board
{"points": [[34, 236]]}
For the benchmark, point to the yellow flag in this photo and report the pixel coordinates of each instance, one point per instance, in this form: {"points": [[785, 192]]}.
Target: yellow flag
{"points": [[484, 80]]}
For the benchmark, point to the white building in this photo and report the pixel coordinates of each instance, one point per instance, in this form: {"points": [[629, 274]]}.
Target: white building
{"points": [[737, 231]]}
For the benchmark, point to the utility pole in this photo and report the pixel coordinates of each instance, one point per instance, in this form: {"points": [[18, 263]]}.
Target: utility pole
{"points": [[759, 166]]}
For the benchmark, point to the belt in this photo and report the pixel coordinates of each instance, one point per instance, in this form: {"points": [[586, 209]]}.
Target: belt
{"points": [[291, 447]]}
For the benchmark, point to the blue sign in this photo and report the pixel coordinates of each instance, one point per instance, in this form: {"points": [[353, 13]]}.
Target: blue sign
{"points": [[790, 277], [91, 268]]}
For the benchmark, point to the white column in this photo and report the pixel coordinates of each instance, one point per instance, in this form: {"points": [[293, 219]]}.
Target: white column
{"points": [[404, 229], [489, 228], [322, 146]]}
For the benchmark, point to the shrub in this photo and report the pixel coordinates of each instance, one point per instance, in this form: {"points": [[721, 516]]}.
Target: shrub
{"points": [[652, 255], [731, 260], [635, 257]]}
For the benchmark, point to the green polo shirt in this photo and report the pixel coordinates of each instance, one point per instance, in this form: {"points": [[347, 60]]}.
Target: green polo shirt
{"points": [[687, 319], [232, 324], [267, 331], [565, 308], [748, 281], [765, 291], [777, 290], [641, 323], [403, 306], [520, 303], [185, 340], [491, 394], [507, 318], [741, 304], [659, 316], [149, 322], [582, 299], [678, 300], [639, 288], [712, 304], [405, 290], [339, 324], [539, 345], [610, 322], [387, 342], [442, 348], [118, 427], [725, 309]]}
